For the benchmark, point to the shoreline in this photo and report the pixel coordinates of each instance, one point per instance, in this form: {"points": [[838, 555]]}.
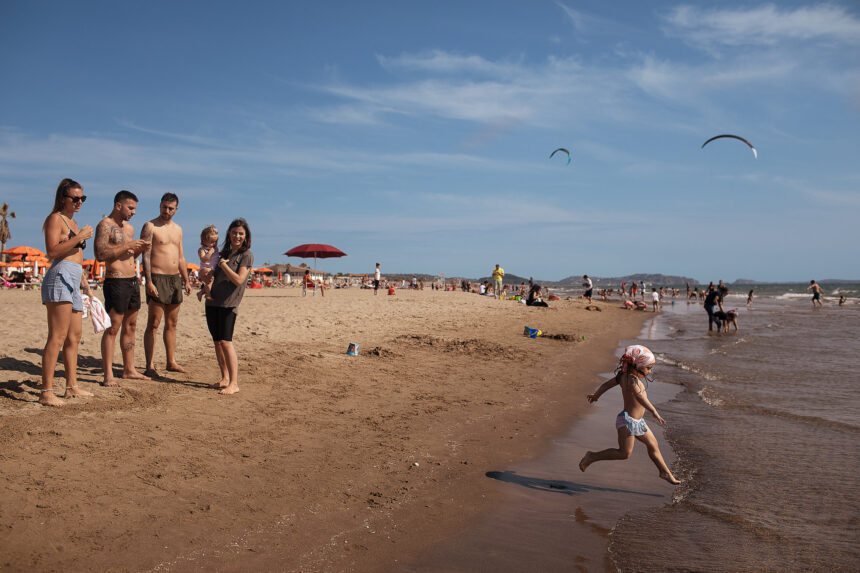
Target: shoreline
{"points": [[312, 465]]}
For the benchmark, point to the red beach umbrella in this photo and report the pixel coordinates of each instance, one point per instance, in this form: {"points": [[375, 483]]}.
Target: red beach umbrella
{"points": [[315, 250]]}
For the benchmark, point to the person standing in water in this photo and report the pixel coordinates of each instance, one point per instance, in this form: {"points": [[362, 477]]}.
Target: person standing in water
{"points": [[634, 367]]}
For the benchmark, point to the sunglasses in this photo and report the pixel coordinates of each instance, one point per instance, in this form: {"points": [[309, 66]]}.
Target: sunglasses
{"points": [[80, 199]]}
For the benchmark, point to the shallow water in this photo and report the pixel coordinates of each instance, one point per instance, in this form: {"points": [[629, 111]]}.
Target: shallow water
{"points": [[766, 432]]}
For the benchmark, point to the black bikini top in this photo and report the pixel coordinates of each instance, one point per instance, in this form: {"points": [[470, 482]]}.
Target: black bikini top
{"points": [[83, 244]]}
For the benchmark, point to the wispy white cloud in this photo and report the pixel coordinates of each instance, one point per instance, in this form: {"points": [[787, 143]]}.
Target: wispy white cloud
{"points": [[762, 25], [443, 62], [820, 194], [576, 18], [19, 152]]}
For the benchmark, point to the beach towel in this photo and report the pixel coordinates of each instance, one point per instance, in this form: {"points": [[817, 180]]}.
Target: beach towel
{"points": [[97, 313]]}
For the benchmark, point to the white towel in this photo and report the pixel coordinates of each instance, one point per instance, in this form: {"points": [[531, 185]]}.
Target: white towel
{"points": [[97, 313]]}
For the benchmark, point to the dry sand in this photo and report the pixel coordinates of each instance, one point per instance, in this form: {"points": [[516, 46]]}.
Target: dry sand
{"points": [[322, 462]]}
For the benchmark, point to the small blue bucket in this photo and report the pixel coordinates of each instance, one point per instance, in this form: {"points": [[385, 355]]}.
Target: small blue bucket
{"points": [[352, 349]]}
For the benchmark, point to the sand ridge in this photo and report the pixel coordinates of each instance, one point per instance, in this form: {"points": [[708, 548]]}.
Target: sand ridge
{"points": [[323, 461]]}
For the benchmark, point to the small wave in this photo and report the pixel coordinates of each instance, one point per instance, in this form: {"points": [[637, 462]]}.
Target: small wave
{"points": [[818, 421]]}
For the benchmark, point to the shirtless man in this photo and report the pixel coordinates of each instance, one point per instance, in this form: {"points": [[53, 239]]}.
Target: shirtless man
{"points": [[636, 364], [816, 293], [117, 248], [166, 277]]}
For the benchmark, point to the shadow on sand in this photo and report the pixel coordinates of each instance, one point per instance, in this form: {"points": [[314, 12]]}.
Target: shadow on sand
{"points": [[558, 486]]}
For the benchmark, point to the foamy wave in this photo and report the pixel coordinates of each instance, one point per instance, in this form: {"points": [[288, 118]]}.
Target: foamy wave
{"points": [[688, 367], [709, 396]]}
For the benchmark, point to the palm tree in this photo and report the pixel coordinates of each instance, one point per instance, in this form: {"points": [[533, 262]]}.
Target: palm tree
{"points": [[5, 235]]}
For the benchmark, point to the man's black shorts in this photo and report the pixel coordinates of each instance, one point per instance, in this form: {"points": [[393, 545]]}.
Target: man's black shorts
{"points": [[121, 295]]}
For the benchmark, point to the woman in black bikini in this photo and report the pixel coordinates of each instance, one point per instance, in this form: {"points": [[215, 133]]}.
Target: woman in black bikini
{"points": [[61, 290]]}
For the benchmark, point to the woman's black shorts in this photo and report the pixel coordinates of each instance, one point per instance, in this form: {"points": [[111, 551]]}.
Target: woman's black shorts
{"points": [[221, 321]]}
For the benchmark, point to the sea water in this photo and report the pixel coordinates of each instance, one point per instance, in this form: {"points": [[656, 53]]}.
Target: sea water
{"points": [[765, 430]]}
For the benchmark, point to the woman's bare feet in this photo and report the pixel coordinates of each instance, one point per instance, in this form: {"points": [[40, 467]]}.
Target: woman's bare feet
{"points": [[47, 398], [75, 392], [231, 389], [585, 461], [175, 368], [669, 478], [223, 383], [110, 382]]}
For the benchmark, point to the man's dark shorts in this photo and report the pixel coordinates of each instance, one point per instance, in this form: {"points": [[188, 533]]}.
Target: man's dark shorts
{"points": [[816, 296], [121, 294], [588, 293], [375, 284], [169, 289]]}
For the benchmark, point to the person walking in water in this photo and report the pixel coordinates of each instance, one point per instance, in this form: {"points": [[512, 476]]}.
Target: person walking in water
{"points": [[634, 367], [816, 293]]}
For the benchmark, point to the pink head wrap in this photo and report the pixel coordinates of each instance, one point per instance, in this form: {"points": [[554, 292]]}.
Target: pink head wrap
{"points": [[638, 356]]}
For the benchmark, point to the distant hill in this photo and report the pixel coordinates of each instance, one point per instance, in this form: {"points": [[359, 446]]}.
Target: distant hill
{"points": [[648, 279]]}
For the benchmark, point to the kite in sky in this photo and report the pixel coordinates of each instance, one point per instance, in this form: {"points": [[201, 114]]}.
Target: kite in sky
{"points": [[561, 149], [739, 138]]}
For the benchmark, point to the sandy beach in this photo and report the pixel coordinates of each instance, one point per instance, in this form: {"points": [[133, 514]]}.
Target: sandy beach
{"points": [[322, 462]]}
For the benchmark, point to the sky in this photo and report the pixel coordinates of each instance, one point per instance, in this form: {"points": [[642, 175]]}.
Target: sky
{"points": [[417, 134]]}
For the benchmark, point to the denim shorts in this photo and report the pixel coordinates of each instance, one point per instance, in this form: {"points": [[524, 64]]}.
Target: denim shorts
{"points": [[62, 283]]}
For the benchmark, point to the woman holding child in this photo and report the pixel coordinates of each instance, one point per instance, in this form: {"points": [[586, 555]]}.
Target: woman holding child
{"points": [[228, 287]]}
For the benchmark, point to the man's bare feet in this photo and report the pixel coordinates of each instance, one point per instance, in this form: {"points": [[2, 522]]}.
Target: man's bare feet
{"points": [[231, 389], [585, 461], [151, 372], [175, 368], [47, 398], [134, 375], [669, 478], [76, 391], [220, 384], [110, 382]]}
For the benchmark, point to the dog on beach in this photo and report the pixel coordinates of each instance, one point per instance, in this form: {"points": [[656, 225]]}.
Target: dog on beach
{"points": [[727, 318]]}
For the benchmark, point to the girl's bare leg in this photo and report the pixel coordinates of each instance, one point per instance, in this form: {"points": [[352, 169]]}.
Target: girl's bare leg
{"points": [[70, 357], [654, 453], [622, 452], [59, 317]]}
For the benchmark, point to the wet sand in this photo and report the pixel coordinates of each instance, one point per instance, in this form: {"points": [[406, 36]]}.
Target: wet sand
{"points": [[322, 461]]}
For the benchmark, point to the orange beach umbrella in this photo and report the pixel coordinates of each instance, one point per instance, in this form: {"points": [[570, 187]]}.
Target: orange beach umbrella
{"points": [[24, 252]]}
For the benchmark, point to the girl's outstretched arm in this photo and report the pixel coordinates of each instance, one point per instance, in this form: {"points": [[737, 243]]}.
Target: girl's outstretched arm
{"points": [[592, 398], [642, 398]]}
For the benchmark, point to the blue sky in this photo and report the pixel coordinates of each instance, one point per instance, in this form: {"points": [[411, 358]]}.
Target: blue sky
{"points": [[418, 134]]}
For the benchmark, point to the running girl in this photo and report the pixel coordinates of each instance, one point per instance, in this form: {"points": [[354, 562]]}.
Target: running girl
{"points": [[634, 367]]}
